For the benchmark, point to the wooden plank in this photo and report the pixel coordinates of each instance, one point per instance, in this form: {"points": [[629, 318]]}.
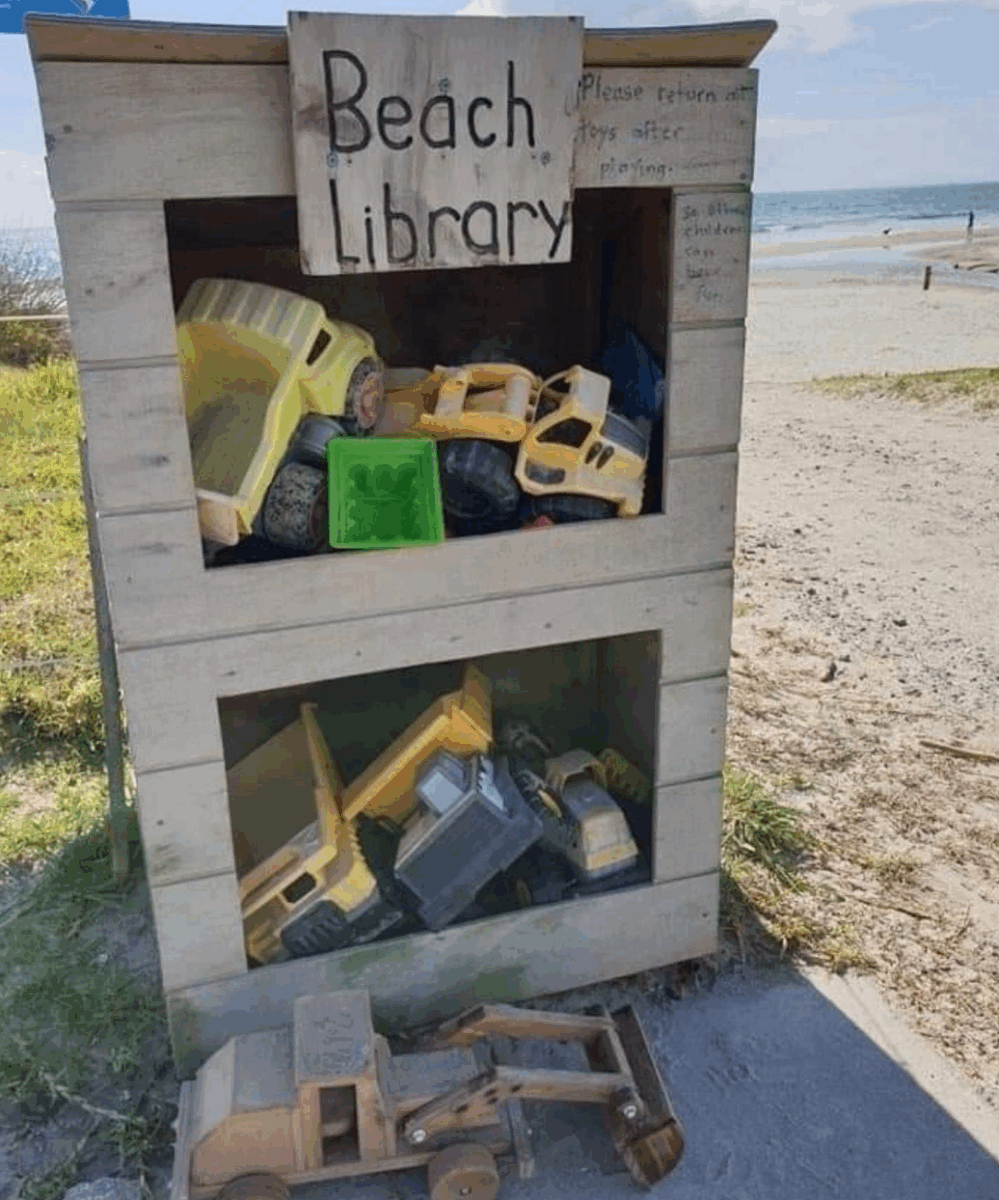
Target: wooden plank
{"points": [[199, 931], [165, 131], [705, 389], [504, 1020], [180, 1177], [114, 264], [710, 267], [160, 592], [430, 976], [54, 38], [171, 706], [469, 160], [171, 690], [696, 641], [688, 822], [135, 425], [184, 820], [659, 127], [703, 489], [691, 729], [128, 131], [333, 1038]]}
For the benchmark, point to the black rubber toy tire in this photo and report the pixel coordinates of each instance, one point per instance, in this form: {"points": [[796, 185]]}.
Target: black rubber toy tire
{"points": [[296, 509], [360, 379], [564, 508], [480, 492], [311, 437]]}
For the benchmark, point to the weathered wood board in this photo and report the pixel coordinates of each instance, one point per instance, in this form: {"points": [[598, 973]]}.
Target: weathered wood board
{"points": [[710, 267], [171, 691], [160, 592], [199, 930], [428, 142], [705, 388], [688, 828], [427, 977], [656, 128]]}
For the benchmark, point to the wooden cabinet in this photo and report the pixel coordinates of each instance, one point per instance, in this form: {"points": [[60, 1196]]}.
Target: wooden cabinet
{"points": [[170, 158]]}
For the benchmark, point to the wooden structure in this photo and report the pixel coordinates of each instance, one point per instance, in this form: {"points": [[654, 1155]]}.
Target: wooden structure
{"points": [[170, 158]]}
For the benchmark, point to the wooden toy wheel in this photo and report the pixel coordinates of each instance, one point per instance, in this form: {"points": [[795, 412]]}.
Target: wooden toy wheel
{"points": [[463, 1172], [258, 1186]]}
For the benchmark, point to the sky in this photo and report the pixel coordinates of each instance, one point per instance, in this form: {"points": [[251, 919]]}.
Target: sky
{"points": [[852, 94]]}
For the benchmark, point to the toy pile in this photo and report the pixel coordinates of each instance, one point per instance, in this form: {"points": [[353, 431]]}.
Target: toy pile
{"points": [[448, 824], [303, 442]]}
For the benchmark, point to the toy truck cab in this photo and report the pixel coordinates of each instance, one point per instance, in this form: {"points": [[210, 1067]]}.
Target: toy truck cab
{"points": [[255, 361], [577, 445], [593, 833]]}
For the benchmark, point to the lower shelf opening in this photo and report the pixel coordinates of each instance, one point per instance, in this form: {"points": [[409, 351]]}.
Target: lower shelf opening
{"points": [[424, 798]]}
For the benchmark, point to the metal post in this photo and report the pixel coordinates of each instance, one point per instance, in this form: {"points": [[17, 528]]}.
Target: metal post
{"points": [[114, 754]]}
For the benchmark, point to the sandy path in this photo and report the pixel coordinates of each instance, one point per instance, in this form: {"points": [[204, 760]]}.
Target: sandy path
{"points": [[867, 619]]}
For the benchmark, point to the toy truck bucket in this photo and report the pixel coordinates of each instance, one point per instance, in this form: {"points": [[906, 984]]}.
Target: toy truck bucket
{"points": [[254, 360], [492, 401], [575, 445], [460, 722]]}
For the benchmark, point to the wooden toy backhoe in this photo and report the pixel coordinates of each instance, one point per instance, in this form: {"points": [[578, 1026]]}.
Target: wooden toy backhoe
{"points": [[325, 1099]]}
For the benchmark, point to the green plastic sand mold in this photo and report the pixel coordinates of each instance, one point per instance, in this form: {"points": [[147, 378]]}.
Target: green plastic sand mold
{"points": [[384, 493]]}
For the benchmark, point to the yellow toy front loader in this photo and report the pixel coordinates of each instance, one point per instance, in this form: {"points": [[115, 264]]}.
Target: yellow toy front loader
{"points": [[510, 434]]}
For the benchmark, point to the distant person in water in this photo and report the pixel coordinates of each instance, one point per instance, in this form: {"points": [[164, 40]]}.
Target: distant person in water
{"points": [[971, 222]]}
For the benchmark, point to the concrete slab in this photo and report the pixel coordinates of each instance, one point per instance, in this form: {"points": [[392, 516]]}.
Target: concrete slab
{"points": [[790, 1087]]}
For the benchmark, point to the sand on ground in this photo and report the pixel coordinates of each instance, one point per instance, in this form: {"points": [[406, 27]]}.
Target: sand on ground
{"points": [[867, 623]]}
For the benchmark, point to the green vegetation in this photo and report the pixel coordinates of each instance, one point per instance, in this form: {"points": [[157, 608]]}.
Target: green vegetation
{"points": [[82, 1035], [767, 904], [978, 386]]}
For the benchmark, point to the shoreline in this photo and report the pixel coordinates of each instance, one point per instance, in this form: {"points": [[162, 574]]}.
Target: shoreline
{"points": [[906, 249]]}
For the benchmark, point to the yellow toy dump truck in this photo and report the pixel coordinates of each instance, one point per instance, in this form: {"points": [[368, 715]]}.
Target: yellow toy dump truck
{"points": [[573, 456], [460, 722], [325, 1099], [268, 380], [316, 893]]}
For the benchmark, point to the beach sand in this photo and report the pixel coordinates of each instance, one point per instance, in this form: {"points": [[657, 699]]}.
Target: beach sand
{"points": [[867, 582]]}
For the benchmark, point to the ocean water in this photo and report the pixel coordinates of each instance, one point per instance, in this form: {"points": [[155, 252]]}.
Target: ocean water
{"points": [[778, 217], [816, 216]]}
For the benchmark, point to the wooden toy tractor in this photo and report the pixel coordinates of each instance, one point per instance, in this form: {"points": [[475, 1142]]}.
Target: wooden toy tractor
{"points": [[268, 380], [509, 435], [325, 1099]]}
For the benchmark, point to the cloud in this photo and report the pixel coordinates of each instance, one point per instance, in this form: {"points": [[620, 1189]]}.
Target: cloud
{"points": [[484, 8], [808, 26], [24, 190]]}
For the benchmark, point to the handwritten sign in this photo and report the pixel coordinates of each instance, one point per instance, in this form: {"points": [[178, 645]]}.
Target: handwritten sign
{"points": [[665, 127], [433, 141], [710, 269]]}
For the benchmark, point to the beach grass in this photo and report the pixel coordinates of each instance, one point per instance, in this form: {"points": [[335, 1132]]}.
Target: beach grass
{"points": [[977, 387]]}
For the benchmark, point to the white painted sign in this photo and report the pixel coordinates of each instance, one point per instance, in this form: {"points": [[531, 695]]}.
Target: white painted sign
{"points": [[710, 267], [664, 127], [431, 142]]}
